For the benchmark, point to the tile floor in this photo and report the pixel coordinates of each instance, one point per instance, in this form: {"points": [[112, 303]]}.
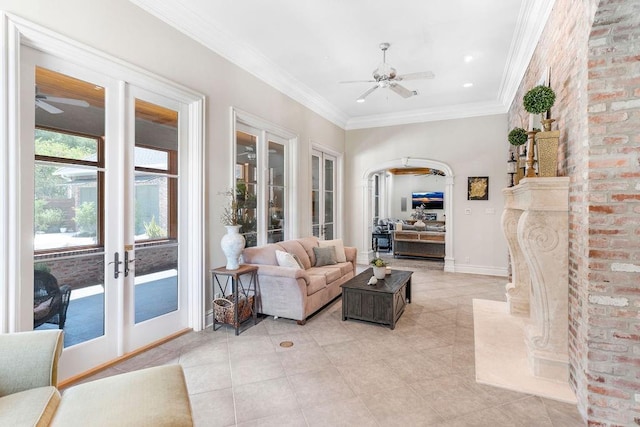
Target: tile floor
{"points": [[355, 374]]}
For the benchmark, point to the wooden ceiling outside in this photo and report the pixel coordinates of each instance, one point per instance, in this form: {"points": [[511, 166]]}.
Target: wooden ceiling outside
{"points": [[55, 84], [415, 171]]}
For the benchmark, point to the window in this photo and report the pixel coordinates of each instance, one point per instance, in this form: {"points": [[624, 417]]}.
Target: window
{"points": [[261, 182], [68, 190]]}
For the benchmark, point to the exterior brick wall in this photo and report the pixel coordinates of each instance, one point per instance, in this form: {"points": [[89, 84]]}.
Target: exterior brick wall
{"points": [[82, 270], [593, 51]]}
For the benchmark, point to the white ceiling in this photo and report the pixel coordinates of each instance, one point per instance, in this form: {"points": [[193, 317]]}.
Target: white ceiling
{"points": [[304, 48]]}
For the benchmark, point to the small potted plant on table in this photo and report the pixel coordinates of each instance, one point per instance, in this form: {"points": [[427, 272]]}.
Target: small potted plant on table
{"points": [[379, 267]]}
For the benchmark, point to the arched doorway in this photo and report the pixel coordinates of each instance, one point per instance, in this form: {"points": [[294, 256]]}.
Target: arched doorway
{"points": [[402, 162]]}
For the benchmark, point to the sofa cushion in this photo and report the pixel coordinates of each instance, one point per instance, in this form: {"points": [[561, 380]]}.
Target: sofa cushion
{"points": [[330, 273], [34, 407], [285, 259], [338, 244], [294, 247], [345, 267], [325, 256], [308, 243], [316, 282], [264, 255], [149, 397]]}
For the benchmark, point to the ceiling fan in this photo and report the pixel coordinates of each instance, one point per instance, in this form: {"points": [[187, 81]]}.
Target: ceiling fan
{"points": [[249, 152], [43, 101], [385, 76]]}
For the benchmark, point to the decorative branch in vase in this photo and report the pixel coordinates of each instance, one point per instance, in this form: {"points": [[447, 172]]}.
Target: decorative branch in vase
{"points": [[233, 242]]}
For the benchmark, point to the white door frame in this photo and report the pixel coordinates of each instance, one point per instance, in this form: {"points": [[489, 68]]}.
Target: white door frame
{"points": [[364, 251], [338, 207], [16, 255]]}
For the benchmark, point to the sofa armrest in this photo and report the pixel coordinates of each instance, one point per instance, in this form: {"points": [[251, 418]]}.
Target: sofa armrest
{"points": [[29, 360], [352, 254]]}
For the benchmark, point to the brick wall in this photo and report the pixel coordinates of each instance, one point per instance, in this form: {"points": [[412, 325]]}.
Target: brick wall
{"points": [[81, 269], [592, 48], [613, 368]]}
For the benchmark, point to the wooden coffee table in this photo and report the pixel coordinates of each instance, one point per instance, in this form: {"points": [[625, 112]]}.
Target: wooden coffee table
{"points": [[381, 303]]}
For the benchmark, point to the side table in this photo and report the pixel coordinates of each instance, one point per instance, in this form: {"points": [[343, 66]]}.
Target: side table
{"points": [[238, 289]]}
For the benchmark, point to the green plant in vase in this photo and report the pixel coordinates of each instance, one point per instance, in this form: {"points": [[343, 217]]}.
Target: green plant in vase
{"points": [[539, 100], [517, 137]]}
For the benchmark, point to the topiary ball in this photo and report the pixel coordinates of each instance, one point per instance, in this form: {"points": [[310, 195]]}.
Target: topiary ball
{"points": [[539, 99], [518, 136]]}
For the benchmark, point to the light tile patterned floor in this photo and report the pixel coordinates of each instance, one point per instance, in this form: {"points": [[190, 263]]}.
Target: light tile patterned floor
{"points": [[352, 373]]}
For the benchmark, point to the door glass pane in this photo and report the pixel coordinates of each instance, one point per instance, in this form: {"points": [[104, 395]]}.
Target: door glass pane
{"points": [[315, 195], [329, 195], [246, 186], [155, 206], [69, 262], [277, 192]]}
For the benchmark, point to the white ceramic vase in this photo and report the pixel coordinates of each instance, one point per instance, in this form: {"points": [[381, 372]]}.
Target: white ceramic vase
{"points": [[232, 245], [379, 272]]}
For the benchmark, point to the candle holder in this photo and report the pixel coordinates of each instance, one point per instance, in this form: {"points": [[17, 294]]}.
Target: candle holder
{"points": [[531, 172]]}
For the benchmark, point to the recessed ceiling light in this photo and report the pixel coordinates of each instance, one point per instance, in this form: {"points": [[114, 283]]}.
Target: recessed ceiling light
{"points": [[468, 58], [467, 85], [360, 100]]}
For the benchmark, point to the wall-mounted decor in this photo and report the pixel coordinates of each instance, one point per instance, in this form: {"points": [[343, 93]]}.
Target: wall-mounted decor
{"points": [[427, 199], [478, 188]]}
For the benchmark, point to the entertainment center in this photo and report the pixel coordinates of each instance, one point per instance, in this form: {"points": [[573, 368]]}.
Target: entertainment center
{"points": [[427, 243]]}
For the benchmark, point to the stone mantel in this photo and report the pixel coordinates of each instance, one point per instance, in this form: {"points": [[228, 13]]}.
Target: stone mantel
{"points": [[540, 194], [535, 224]]}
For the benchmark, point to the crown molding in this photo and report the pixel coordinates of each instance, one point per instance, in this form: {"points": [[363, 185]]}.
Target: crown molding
{"points": [[532, 19], [448, 112], [185, 20]]}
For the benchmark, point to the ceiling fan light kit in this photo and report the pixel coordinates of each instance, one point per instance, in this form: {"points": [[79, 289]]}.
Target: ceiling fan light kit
{"points": [[386, 77]]}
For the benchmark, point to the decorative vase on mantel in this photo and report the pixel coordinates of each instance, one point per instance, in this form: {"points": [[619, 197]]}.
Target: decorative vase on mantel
{"points": [[546, 123], [232, 245], [547, 143]]}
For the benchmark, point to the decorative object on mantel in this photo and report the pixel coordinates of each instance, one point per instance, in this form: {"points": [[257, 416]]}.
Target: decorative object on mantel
{"points": [[539, 100], [517, 136], [547, 143], [531, 172], [233, 242], [512, 167], [478, 188], [379, 267]]}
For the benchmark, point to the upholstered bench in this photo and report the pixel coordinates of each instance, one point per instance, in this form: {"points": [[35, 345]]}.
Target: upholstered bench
{"points": [[28, 397]]}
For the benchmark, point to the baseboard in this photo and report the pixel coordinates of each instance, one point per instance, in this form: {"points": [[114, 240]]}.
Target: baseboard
{"points": [[481, 269]]}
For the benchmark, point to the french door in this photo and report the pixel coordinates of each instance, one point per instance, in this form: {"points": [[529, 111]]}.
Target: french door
{"points": [[323, 195], [103, 206]]}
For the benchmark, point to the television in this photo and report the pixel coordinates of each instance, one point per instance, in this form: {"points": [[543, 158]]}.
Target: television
{"points": [[428, 199]]}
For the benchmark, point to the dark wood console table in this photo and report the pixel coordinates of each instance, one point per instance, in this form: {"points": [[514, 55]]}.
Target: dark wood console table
{"points": [[427, 244]]}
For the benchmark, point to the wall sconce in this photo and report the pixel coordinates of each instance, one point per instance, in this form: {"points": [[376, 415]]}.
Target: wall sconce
{"points": [[512, 167]]}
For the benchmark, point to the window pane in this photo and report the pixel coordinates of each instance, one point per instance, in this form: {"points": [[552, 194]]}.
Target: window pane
{"points": [[65, 207], [56, 144], [151, 207], [153, 159], [328, 175]]}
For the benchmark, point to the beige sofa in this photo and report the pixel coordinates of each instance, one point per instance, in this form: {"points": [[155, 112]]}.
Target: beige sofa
{"points": [[29, 397], [297, 292]]}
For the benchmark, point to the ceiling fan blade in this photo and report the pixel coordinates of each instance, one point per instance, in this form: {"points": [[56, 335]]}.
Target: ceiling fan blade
{"points": [[367, 93], [48, 107], [358, 81], [68, 101], [416, 76], [401, 90]]}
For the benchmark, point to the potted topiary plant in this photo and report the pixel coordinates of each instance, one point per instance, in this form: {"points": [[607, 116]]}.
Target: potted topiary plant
{"points": [[517, 136], [539, 100]]}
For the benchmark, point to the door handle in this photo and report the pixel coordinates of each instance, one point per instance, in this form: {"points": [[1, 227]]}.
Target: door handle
{"points": [[116, 262], [127, 261]]}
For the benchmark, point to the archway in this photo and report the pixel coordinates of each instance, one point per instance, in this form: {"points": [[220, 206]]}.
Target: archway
{"points": [[365, 249]]}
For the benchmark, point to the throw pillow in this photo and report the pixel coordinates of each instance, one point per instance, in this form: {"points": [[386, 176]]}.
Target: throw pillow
{"points": [[325, 256], [337, 243], [285, 259]]}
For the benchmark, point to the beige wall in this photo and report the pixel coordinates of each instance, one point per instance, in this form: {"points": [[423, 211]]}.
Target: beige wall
{"points": [[471, 147]]}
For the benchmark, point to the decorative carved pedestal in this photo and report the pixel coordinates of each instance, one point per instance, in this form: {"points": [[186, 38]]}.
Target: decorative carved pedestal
{"points": [[519, 288], [539, 257]]}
